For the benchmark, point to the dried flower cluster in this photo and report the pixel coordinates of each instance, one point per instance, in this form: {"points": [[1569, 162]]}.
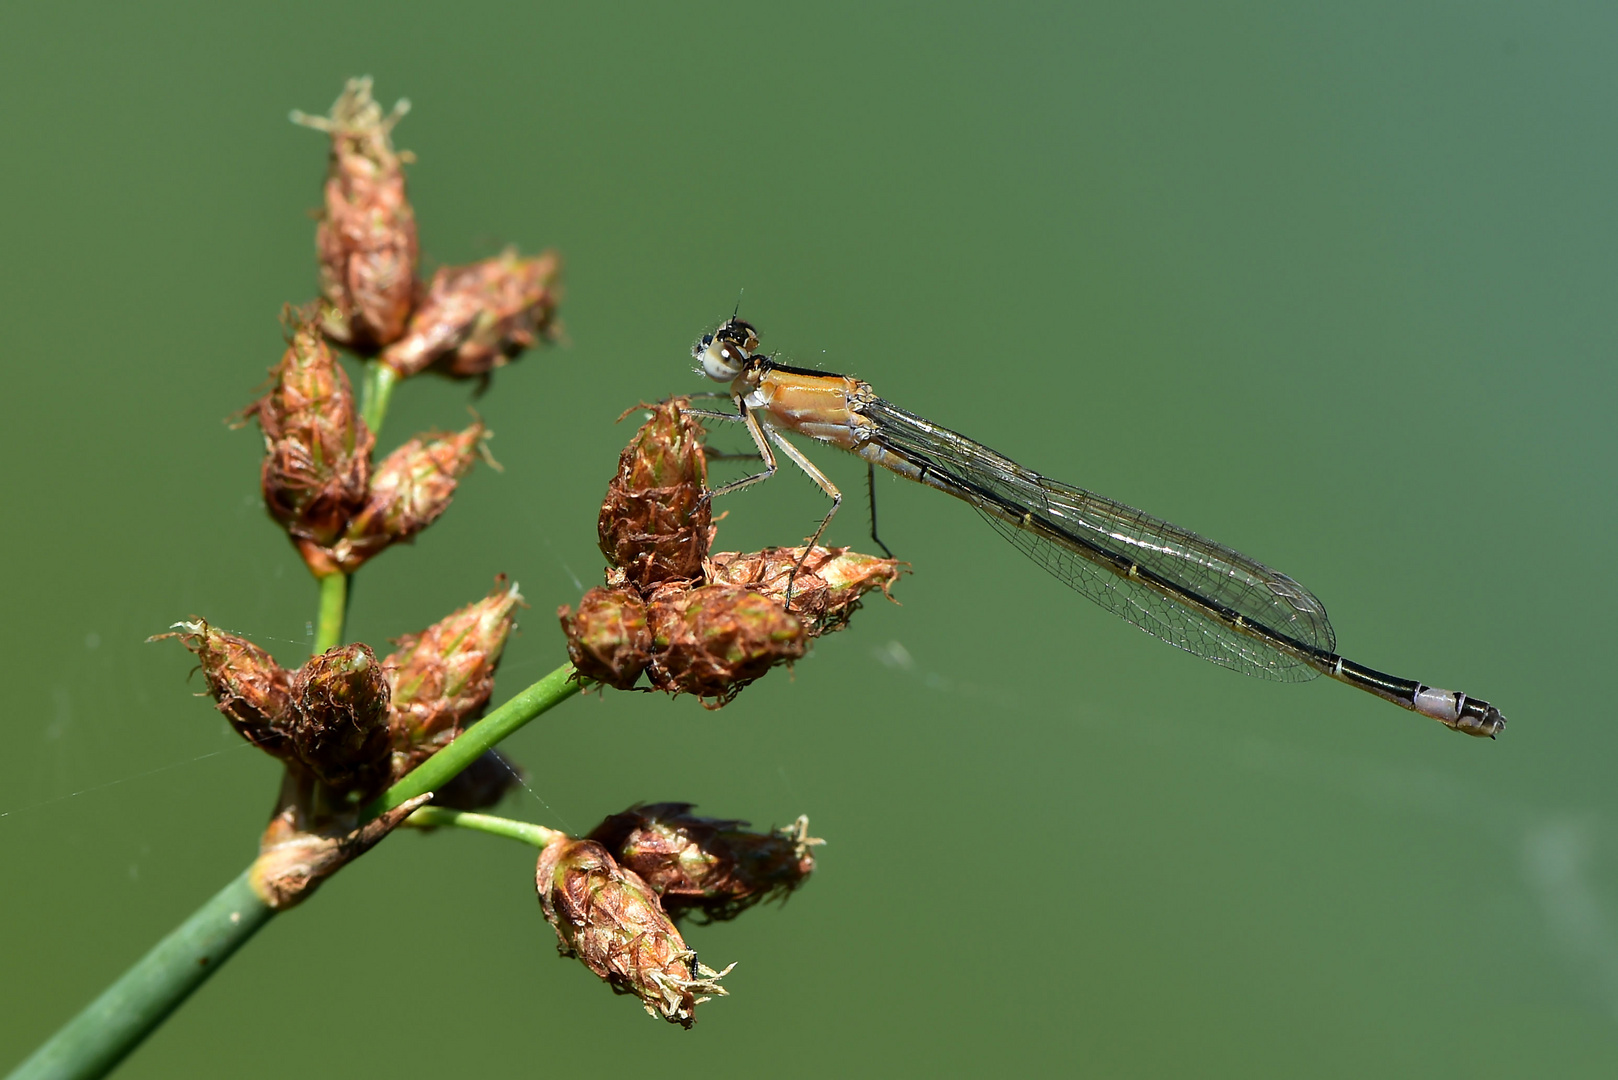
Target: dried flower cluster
{"points": [[253, 691], [408, 491], [713, 868], [443, 676], [655, 526], [339, 719], [468, 320], [694, 623], [354, 722], [317, 478], [367, 235], [476, 318], [613, 897], [348, 725], [317, 460], [611, 920]]}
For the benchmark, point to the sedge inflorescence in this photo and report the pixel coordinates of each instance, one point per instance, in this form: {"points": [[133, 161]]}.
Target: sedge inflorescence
{"points": [[615, 896], [468, 320], [351, 722], [346, 724]]}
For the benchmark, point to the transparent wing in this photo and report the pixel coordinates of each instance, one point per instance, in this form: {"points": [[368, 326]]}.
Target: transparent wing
{"points": [[1113, 536]]}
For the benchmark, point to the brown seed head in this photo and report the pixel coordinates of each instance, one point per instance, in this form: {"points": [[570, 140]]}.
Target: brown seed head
{"points": [[608, 640], [714, 640], [827, 589], [253, 691], [476, 318], [611, 920], [443, 676], [340, 719], [709, 866], [317, 450], [654, 524], [366, 240], [409, 489]]}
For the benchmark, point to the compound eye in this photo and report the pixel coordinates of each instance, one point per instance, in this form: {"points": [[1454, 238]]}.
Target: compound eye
{"points": [[721, 361]]}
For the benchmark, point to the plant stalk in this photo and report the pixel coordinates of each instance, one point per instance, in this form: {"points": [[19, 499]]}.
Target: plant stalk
{"points": [[527, 832], [375, 393], [333, 612], [95, 1041], [469, 745]]}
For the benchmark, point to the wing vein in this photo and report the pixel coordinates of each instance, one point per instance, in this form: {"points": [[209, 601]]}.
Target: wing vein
{"points": [[1090, 542]]}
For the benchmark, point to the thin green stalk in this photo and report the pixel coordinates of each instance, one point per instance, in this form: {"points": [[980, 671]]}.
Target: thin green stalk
{"points": [[527, 832], [333, 611], [375, 393], [437, 770], [95, 1041]]}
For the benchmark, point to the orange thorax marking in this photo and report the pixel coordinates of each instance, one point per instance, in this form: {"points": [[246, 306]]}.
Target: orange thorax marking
{"points": [[815, 405]]}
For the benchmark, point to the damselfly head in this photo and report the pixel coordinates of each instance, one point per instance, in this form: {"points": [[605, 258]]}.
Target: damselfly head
{"points": [[738, 332], [724, 352]]}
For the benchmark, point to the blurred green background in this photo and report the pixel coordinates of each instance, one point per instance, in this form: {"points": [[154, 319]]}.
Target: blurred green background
{"points": [[1331, 283]]}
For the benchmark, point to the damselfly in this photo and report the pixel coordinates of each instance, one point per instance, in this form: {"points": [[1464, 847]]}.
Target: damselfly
{"points": [[1196, 595]]}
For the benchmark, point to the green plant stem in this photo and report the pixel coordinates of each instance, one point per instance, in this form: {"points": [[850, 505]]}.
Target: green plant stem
{"points": [[527, 832], [376, 392], [95, 1041], [437, 770], [333, 611], [98, 1038]]}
